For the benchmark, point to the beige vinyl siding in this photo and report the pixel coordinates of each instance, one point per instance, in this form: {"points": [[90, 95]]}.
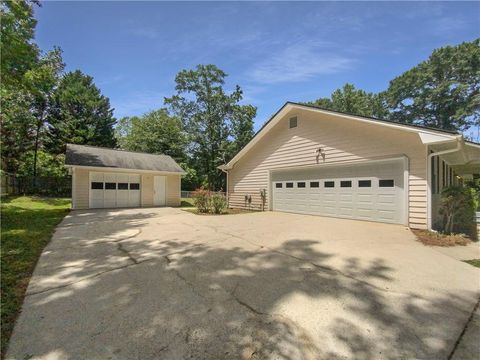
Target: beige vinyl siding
{"points": [[81, 186], [342, 141], [173, 190], [80, 191]]}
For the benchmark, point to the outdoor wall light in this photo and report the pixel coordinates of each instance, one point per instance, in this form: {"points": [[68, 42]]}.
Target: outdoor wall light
{"points": [[319, 153]]}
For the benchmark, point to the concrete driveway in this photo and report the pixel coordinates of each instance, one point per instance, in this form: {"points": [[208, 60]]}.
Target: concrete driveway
{"points": [[167, 284]]}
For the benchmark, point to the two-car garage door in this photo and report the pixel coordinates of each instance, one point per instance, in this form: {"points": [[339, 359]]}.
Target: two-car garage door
{"points": [[372, 191], [110, 190]]}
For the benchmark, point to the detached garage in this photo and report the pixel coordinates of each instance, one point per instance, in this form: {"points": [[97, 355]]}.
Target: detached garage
{"points": [[107, 178], [315, 161]]}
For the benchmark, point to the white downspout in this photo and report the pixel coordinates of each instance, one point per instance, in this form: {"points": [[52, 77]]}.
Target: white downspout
{"points": [[429, 177]]}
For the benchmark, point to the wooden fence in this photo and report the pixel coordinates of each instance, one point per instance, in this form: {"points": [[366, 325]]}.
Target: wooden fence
{"points": [[40, 185]]}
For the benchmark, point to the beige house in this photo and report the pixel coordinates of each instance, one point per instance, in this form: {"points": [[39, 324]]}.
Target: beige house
{"points": [[313, 161], [107, 178]]}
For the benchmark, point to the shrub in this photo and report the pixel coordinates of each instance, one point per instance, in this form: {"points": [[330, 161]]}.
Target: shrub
{"points": [[218, 203], [201, 199], [457, 206]]}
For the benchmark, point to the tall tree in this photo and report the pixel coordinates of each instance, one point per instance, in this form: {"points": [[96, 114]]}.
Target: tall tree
{"points": [[441, 92], [350, 100], [80, 114], [208, 114], [155, 132]]}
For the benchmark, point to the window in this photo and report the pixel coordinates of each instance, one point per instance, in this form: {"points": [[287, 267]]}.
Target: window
{"points": [[278, 185], [293, 122], [345, 183], [122, 186], [289, 185], [301, 184], [134, 186], [97, 185], [110, 186], [386, 183], [314, 184], [364, 183], [329, 184]]}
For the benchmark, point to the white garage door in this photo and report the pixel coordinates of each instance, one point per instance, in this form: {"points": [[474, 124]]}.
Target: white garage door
{"points": [[372, 191], [110, 190]]}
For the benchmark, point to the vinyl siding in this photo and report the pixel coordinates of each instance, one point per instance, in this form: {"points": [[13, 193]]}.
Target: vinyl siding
{"points": [[81, 185], [342, 141]]}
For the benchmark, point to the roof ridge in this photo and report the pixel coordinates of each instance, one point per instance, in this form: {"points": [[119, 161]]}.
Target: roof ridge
{"points": [[120, 150]]}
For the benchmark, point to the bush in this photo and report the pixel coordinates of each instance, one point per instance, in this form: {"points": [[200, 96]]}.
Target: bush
{"points": [[201, 200], [218, 203], [457, 206]]}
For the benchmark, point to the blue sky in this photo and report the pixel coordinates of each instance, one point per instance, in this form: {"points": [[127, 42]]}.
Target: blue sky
{"points": [[276, 51]]}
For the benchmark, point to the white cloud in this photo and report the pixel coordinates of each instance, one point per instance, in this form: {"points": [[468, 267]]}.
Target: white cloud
{"points": [[300, 62]]}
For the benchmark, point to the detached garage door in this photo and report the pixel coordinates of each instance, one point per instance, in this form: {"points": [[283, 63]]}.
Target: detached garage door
{"points": [[110, 190], [373, 192]]}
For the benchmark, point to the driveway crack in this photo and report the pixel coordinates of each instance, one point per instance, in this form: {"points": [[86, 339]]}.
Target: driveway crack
{"points": [[126, 252], [464, 330]]}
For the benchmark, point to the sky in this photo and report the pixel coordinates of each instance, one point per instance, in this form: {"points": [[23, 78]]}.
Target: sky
{"points": [[275, 51]]}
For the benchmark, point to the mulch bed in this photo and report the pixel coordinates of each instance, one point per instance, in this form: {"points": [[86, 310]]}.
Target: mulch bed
{"points": [[431, 238]]}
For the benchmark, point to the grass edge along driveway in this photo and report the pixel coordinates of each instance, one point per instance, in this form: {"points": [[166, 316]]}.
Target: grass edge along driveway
{"points": [[27, 225]]}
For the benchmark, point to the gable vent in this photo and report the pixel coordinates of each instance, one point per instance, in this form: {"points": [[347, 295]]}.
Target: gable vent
{"points": [[293, 122]]}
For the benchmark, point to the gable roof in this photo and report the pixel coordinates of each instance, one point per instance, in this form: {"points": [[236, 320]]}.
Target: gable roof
{"points": [[93, 156], [427, 134]]}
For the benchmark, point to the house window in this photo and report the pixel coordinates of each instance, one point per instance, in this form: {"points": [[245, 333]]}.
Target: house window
{"points": [[97, 185], [278, 185], [122, 186], [364, 183], [386, 183], [289, 184], [345, 183], [134, 186], [293, 122], [329, 184], [301, 184], [314, 184], [110, 186]]}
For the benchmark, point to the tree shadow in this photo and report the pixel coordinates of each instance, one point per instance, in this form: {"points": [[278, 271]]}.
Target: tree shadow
{"points": [[115, 292]]}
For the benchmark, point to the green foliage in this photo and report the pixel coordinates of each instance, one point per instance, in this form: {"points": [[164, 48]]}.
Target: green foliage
{"points": [[458, 209], [80, 114], [49, 165], [155, 132], [441, 92], [215, 122], [354, 101], [201, 200], [218, 203]]}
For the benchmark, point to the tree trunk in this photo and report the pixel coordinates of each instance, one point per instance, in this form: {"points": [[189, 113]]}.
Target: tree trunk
{"points": [[35, 150]]}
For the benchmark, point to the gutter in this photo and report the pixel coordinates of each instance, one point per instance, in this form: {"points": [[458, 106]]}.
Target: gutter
{"points": [[458, 147]]}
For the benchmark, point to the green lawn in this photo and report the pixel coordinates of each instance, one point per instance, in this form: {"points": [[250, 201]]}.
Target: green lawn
{"points": [[474, 262], [27, 225], [187, 202]]}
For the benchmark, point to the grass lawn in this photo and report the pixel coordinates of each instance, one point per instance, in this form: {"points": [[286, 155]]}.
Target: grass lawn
{"points": [[27, 225], [474, 262], [187, 202]]}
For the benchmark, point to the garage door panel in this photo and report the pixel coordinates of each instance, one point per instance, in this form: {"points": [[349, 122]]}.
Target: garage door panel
{"points": [[368, 191], [114, 190]]}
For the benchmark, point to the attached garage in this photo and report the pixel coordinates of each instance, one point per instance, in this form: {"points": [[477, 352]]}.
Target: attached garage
{"points": [[315, 161], [107, 178], [373, 191]]}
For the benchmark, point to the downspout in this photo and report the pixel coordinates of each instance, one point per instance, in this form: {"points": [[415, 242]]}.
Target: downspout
{"points": [[458, 147]]}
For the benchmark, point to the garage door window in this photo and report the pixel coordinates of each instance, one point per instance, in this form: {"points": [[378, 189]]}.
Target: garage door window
{"points": [[314, 184], [386, 183], [278, 185], [97, 185], [110, 186], [289, 185], [122, 186], [301, 184], [134, 186], [345, 183], [329, 184], [364, 183]]}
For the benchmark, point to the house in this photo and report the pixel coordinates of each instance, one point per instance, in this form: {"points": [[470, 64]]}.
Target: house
{"points": [[107, 178], [314, 161]]}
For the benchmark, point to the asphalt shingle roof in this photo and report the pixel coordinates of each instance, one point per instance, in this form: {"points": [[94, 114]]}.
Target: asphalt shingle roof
{"points": [[83, 155]]}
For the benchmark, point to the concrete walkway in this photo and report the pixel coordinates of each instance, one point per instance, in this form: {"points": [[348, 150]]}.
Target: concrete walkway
{"points": [[167, 284]]}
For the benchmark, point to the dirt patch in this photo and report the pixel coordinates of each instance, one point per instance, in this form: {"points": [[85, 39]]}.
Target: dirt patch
{"points": [[431, 238]]}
